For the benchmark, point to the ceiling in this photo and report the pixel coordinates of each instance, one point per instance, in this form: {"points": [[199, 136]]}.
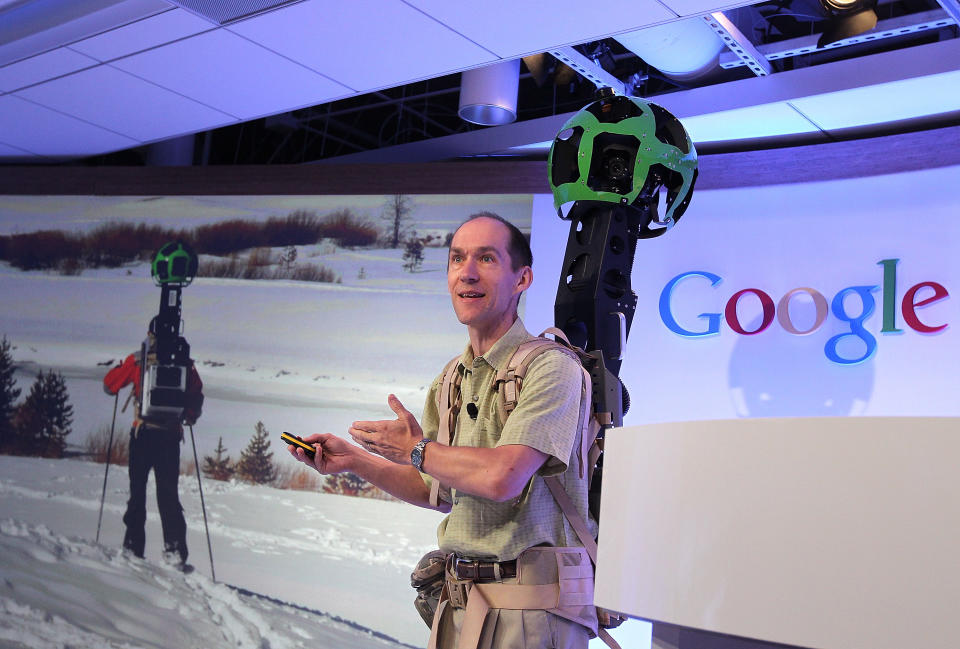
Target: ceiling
{"points": [[268, 81]]}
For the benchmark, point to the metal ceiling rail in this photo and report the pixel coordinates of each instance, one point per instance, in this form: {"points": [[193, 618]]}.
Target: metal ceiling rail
{"points": [[587, 69], [745, 51], [952, 7], [889, 28]]}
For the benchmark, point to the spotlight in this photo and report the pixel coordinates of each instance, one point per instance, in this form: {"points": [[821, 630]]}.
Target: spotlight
{"points": [[538, 66], [488, 96], [847, 18]]}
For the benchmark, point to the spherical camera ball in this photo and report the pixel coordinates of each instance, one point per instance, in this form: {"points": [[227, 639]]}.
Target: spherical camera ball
{"points": [[174, 263], [624, 150]]}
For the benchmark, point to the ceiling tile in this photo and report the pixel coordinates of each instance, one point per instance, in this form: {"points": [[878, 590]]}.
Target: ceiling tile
{"points": [[35, 27], [143, 34], [510, 28], [364, 44], [13, 154], [230, 73], [42, 131], [125, 104], [42, 67], [884, 102], [691, 7], [767, 120]]}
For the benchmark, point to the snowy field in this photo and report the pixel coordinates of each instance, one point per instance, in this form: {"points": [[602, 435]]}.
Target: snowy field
{"points": [[331, 557], [293, 355], [300, 357]]}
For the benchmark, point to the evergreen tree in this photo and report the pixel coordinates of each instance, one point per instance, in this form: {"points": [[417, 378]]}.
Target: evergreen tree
{"points": [[8, 394], [43, 420], [219, 467], [346, 484], [256, 461]]}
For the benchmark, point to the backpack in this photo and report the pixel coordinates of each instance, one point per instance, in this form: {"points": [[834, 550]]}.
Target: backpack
{"points": [[163, 386], [509, 382]]}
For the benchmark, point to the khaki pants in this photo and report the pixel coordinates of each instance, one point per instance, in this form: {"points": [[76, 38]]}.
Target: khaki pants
{"points": [[512, 614], [507, 629]]}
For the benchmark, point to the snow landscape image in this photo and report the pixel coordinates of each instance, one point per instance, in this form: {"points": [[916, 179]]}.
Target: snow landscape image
{"points": [[297, 356], [291, 568]]}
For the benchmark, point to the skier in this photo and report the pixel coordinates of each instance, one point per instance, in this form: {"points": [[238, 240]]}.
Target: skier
{"points": [[155, 444]]}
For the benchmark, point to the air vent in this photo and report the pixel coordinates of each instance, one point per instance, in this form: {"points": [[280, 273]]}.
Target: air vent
{"points": [[223, 12]]}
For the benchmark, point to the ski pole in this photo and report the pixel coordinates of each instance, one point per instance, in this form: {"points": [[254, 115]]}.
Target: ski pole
{"points": [[203, 506], [103, 494]]}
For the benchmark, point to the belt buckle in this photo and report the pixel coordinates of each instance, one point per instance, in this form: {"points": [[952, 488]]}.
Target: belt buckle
{"points": [[464, 569]]}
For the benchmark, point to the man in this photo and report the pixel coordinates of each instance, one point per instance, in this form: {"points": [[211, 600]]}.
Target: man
{"points": [[502, 518], [155, 444]]}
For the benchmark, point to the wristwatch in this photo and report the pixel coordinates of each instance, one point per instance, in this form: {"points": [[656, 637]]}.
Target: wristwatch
{"points": [[416, 455]]}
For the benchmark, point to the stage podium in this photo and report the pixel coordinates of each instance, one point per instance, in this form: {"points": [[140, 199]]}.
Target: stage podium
{"points": [[832, 533]]}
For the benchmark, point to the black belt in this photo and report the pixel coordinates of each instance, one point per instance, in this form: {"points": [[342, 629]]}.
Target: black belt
{"points": [[482, 570]]}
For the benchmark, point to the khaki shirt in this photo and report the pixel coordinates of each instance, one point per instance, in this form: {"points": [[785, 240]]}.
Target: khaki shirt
{"points": [[546, 419]]}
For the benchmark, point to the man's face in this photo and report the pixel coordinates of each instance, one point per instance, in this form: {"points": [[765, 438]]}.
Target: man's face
{"points": [[480, 277]]}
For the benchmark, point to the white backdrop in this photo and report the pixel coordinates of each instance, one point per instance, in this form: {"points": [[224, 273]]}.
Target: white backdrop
{"points": [[826, 236]]}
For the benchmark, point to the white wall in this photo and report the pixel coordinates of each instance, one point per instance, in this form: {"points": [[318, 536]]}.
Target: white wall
{"points": [[826, 236]]}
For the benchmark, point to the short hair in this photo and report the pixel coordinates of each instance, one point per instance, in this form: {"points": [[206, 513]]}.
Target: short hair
{"points": [[518, 246]]}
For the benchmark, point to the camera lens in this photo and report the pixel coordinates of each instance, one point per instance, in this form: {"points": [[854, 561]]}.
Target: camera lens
{"points": [[615, 164]]}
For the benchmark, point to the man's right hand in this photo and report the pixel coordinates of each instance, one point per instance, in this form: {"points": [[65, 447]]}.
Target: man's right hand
{"points": [[334, 454]]}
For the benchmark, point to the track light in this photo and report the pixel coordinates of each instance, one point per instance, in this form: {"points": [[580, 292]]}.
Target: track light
{"points": [[847, 18], [488, 96]]}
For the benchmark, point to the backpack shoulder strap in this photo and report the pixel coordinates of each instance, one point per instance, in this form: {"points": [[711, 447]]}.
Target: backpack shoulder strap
{"points": [[448, 407], [588, 427], [569, 510], [509, 378], [509, 381], [448, 401]]}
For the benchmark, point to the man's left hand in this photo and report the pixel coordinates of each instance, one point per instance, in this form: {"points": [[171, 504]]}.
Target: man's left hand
{"points": [[393, 439]]}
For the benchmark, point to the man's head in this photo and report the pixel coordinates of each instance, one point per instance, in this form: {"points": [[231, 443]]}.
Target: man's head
{"points": [[488, 268], [518, 246]]}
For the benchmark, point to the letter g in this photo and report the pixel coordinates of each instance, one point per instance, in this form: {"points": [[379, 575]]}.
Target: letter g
{"points": [[856, 325], [713, 319]]}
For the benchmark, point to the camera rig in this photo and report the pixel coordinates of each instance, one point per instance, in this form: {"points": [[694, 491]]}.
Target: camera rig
{"points": [[165, 353], [608, 167]]}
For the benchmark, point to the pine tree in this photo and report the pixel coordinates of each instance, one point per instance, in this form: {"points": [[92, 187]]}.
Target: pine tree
{"points": [[256, 461], [219, 467], [8, 394], [43, 420], [346, 484], [413, 254]]}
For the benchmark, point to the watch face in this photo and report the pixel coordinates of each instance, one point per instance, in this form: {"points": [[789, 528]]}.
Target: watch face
{"points": [[416, 456]]}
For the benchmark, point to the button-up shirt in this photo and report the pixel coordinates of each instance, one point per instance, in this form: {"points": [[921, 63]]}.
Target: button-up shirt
{"points": [[546, 418]]}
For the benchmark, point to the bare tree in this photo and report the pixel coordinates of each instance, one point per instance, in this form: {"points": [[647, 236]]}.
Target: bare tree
{"points": [[396, 211]]}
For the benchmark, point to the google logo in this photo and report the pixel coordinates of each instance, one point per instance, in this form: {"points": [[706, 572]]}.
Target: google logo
{"points": [[917, 296]]}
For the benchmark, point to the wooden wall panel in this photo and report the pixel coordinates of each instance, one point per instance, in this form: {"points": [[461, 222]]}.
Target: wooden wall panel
{"points": [[848, 159]]}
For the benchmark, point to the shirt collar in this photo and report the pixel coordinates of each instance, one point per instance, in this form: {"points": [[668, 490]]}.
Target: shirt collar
{"points": [[500, 352]]}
